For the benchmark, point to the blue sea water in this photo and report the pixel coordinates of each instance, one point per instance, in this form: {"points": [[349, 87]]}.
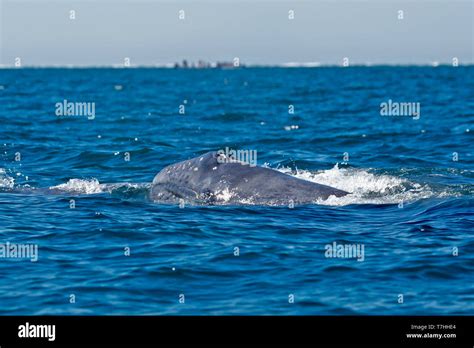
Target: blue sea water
{"points": [[411, 183]]}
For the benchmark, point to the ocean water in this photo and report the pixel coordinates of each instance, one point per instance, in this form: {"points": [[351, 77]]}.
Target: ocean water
{"points": [[411, 184]]}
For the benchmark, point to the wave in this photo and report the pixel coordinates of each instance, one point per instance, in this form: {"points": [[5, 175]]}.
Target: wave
{"points": [[364, 187], [93, 186], [80, 186]]}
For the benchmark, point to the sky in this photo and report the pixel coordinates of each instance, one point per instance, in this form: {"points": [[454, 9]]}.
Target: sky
{"points": [[150, 32]]}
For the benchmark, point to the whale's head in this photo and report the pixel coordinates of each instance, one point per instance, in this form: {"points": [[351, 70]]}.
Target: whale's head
{"points": [[192, 170], [188, 179]]}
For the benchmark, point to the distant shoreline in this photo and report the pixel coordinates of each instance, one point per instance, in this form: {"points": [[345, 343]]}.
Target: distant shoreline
{"points": [[249, 66]]}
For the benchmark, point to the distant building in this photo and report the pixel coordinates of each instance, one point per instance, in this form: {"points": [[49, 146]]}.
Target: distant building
{"points": [[201, 64]]}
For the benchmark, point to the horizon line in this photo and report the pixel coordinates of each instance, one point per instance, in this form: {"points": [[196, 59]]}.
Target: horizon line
{"points": [[240, 66]]}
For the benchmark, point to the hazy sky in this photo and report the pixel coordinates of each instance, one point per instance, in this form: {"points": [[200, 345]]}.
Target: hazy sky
{"points": [[258, 32]]}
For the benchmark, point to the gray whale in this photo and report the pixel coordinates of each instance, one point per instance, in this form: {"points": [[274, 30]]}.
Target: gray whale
{"points": [[207, 179]]}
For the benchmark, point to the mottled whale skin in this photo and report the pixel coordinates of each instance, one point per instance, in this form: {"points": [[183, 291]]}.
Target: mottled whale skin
{"points": [[205, 179]]}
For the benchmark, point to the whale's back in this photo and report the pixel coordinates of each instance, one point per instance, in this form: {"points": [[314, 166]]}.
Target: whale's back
{"points": [[205, 179]]}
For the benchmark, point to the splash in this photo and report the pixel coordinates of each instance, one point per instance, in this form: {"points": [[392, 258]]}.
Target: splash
{"points": [[224, 195], [80, 186], [93, 186], [365, 187], [6, 182]]}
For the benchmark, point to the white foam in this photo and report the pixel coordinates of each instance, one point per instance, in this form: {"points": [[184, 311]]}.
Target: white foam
{"points": [[364, 187], [225, 195], [83, 186], [93, 186], [6, 181]]}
